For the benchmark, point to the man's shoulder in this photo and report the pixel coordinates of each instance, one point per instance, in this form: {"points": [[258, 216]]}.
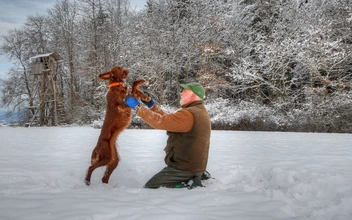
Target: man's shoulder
{"points": [[186, 111]]}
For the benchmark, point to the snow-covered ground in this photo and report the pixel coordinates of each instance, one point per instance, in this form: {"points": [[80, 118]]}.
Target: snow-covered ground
{"points": [[258, 175]]}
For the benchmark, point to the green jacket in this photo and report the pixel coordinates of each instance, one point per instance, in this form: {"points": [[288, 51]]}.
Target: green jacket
{"points": [[189, 150]]}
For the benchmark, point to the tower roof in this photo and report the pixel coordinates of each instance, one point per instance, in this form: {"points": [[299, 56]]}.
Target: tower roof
{"points": [[56, 56]]}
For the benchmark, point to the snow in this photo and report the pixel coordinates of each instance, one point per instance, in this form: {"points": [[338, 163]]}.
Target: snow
{"points": [[258, 175]]}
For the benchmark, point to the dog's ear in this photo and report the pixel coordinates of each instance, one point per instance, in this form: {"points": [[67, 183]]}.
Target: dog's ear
{"points": [[105, 76]]}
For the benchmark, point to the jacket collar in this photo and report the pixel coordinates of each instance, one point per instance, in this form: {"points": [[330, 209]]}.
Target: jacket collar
{"points": [[199, 102]]}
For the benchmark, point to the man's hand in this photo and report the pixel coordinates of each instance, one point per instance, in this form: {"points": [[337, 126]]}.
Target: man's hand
{"points": [[133, 103], [149, 103]]}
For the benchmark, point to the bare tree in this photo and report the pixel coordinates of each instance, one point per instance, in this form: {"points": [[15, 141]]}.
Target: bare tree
{"points": [[17, 90]]}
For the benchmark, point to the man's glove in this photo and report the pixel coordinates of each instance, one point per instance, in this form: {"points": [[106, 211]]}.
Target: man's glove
{"points": [[149, 103], [131, 102]]}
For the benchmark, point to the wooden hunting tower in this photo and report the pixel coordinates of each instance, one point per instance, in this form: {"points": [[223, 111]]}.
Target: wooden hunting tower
{"points": [[47, 108]]}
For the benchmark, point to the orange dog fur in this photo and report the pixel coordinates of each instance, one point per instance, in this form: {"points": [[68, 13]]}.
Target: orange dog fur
{"points": [[118, 117]]}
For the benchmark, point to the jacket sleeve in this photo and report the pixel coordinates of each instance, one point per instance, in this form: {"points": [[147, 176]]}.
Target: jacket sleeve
{"points": [[156, 108], [180, 121]]}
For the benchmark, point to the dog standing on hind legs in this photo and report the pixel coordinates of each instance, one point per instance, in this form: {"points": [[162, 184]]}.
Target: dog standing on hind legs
{"points": [[118, 117]]}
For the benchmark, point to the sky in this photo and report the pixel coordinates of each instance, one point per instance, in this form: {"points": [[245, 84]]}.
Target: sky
{"points": [[13, 13], [258, 176]]}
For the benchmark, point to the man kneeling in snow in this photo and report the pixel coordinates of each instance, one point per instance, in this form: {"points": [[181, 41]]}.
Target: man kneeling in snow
{"points": [[189, 138]]}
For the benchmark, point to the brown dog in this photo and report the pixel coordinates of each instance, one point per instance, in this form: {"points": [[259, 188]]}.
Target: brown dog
{"points": [[118, 117]]}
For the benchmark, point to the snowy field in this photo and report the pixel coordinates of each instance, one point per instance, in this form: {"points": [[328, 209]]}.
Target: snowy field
{"points": [[258, 175]]}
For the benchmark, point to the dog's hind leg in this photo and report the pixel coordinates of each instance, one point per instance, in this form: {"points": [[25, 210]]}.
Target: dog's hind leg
{"points": [[109, 169], [88, 175], [92, 168], [111, 165]]}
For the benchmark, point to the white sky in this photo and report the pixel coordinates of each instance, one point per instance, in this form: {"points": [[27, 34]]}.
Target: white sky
{"points": [[13, 13]]}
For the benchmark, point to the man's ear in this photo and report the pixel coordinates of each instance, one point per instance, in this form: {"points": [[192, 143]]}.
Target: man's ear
{"points": [[193, 96]]}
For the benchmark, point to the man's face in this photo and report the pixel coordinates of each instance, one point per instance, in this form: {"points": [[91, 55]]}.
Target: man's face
{"points": [[186, 96]]}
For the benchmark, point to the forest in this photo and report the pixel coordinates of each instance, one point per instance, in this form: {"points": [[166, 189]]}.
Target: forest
{"points": [[266, 65]]}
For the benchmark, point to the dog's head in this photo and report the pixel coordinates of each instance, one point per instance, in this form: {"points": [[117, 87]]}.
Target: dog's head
{"points": [[116, 74]]}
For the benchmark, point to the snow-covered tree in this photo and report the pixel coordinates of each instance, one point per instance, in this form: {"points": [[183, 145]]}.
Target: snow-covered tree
{"points": [[286, 58]]}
